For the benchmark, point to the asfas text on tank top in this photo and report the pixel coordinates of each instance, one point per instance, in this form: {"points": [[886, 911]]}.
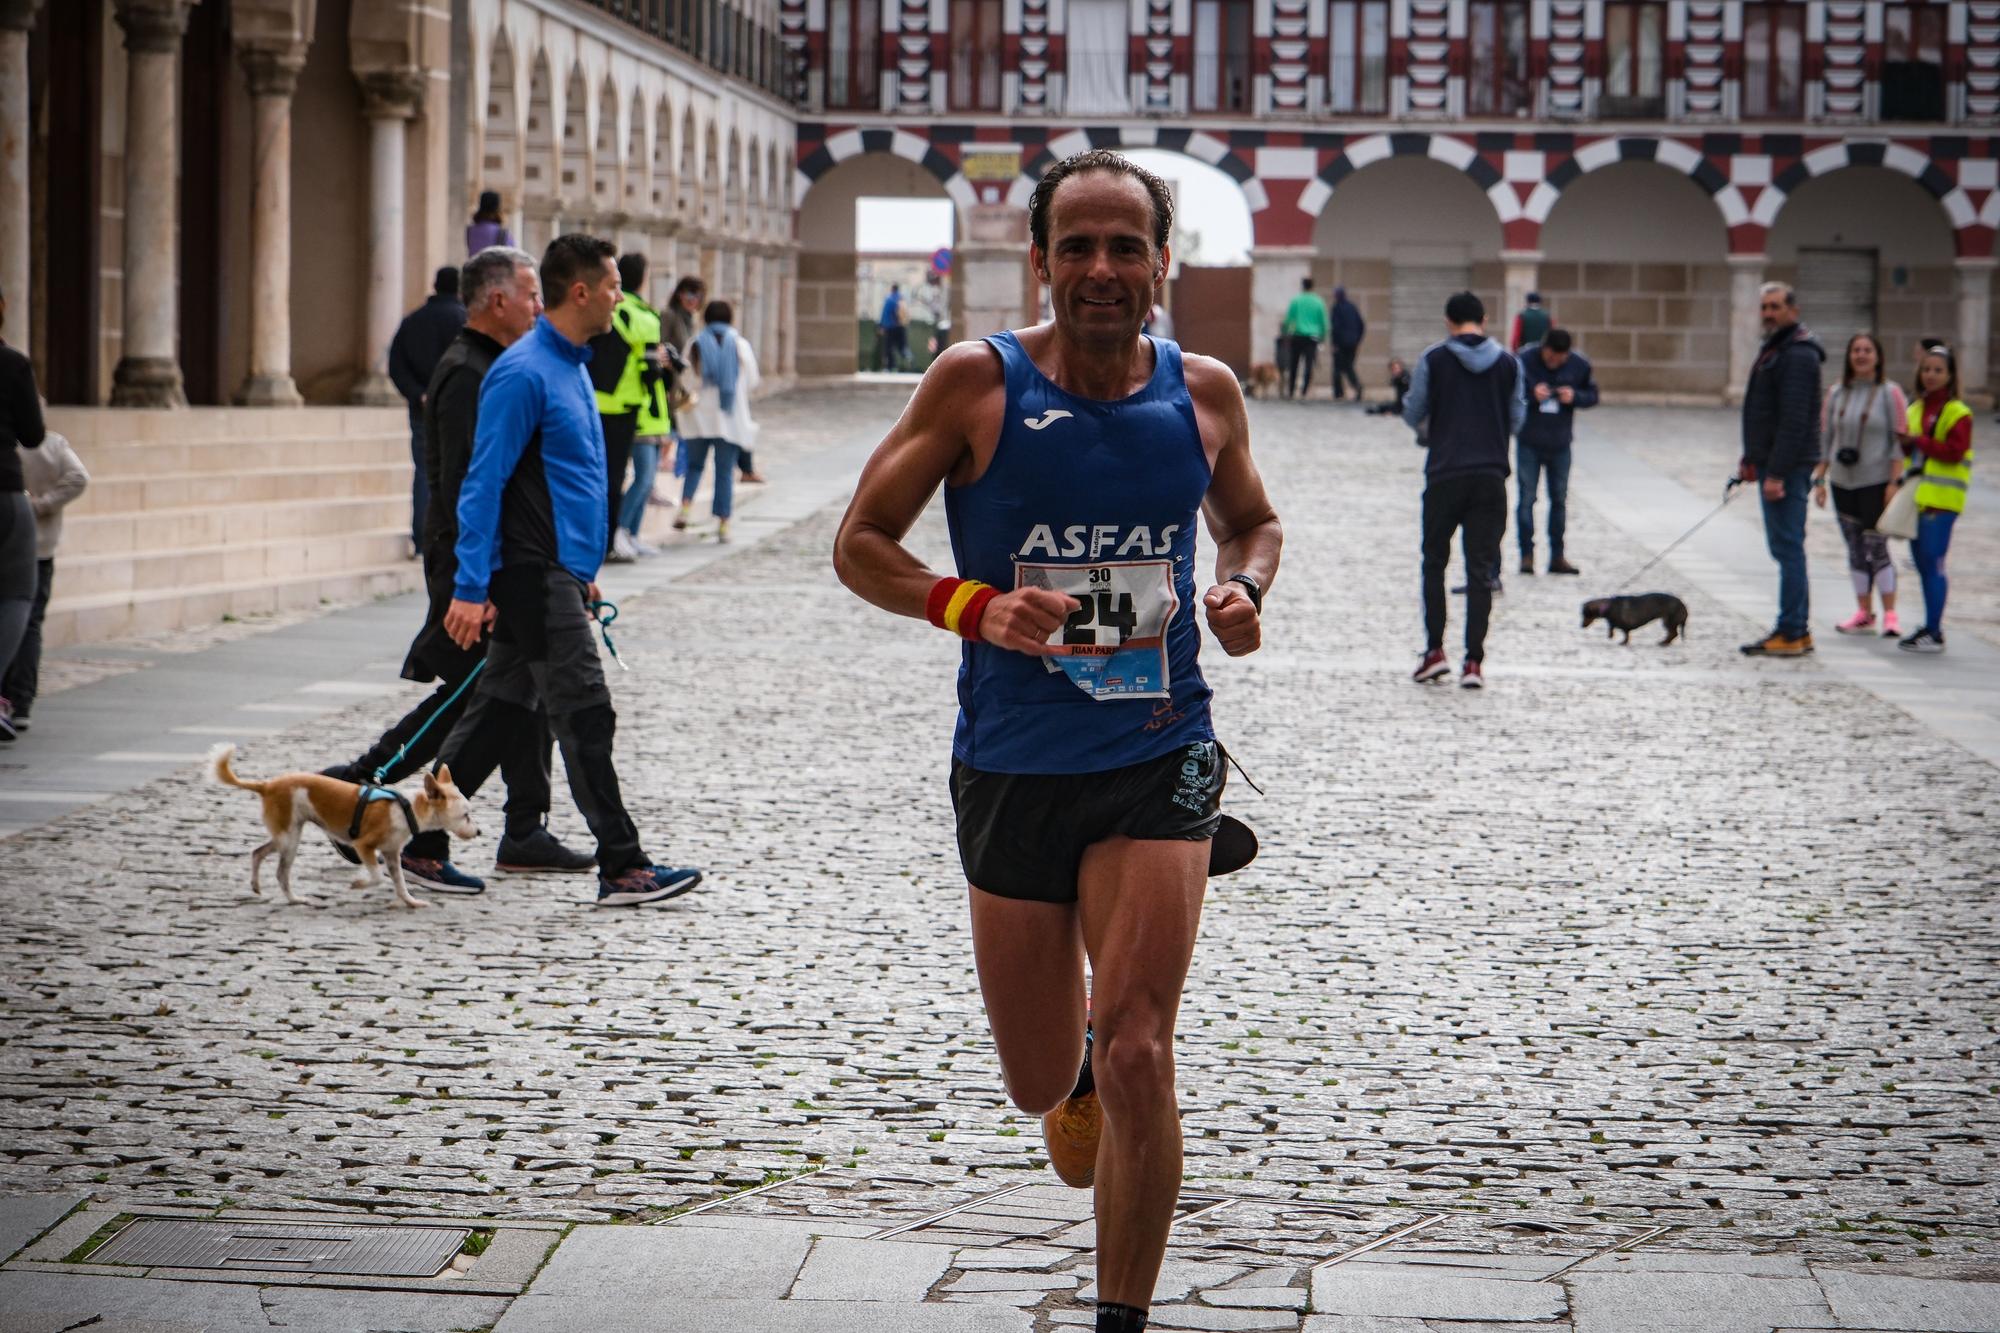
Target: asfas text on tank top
{"points": [[1097, 500]]}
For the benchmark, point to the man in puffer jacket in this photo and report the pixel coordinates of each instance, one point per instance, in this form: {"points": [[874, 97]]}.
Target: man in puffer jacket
{"points": [[1780, 451]]}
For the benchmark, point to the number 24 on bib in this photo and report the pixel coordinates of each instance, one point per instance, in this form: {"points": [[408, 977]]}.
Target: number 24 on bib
{"points": [[1114, 645]]}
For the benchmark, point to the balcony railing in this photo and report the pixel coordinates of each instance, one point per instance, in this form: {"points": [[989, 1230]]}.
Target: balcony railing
{"points": [[719, 35]]}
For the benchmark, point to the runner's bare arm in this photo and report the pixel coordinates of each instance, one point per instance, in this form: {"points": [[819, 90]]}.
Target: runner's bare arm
{"points": [[1240, 518], [960, 401]]}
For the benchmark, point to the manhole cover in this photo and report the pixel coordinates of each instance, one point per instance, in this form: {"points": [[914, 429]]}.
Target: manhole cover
{"points": [[285, 1247]]}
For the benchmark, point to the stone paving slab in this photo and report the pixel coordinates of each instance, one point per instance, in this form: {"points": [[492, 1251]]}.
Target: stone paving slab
{"points": [[669, 1264], [1693, 1303], [1421, 1291], [532, 1314], [1870, 1300], [26, 1216]]}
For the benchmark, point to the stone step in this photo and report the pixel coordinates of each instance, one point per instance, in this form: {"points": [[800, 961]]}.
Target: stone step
{"points": [[111, 462], [89, 427], [216, 490], [273, 560], [93, 619], [147, 534]]}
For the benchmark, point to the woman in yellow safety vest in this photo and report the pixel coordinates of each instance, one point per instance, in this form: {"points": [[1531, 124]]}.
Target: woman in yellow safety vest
{"points": [[1939, 443]]}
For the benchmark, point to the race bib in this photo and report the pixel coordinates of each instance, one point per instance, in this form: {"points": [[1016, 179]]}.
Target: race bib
{"points": [[1114, 645]]}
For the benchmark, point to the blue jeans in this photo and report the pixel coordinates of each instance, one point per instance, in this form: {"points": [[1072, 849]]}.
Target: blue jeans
{"points": [[1529, 465], [1928, 550], [1785, 538], [725, 472], [645, 466]]}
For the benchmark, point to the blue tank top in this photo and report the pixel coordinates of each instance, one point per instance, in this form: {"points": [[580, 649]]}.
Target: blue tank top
{"points": [[1097, 500]]}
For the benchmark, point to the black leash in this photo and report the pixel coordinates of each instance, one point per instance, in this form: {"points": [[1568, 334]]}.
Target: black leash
{"points": [[1728, 494]]}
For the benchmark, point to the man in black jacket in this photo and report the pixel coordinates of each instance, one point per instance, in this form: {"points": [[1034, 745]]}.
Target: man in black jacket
{"points": [[1558, 385], [503, 294], [1781, 406], [413, 357], [1345, 330], [1469, 392]]}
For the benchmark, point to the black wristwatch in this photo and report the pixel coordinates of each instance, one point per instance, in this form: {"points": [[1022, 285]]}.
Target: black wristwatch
{"points": [[1254, 588]]}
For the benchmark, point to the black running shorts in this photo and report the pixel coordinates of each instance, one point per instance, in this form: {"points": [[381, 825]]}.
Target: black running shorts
{"points": [[1023, 835]]}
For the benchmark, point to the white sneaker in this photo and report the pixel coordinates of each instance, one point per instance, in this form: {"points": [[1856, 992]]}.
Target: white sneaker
{"points": [[642, 549], [622, 552]]}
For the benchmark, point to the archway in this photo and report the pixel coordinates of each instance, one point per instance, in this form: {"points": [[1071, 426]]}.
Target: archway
{"points": [[604, 166], [639, 165], [1401, 235], [1868, 247], [574, 188], [500, 161], [662, 183], [830, 304], [1635, 266], [538, 175]]}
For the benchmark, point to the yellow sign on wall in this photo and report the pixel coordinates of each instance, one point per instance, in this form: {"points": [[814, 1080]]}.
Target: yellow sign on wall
{"points": [[991, 164]]}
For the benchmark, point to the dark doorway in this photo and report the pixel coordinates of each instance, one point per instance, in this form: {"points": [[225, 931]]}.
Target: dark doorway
{"points": [[206, 72], [64, 226], [1211, 310]]}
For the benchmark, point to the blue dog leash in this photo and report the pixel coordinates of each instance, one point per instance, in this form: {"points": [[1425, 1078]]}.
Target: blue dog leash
{"points": [[602, 613]]}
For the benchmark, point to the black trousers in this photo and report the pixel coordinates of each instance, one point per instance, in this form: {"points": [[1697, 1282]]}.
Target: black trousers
{"points": [[1343, 370], [24, 673], [519, 747], [619, 432], [1305, 353], [544, 653], [1478, 504]]}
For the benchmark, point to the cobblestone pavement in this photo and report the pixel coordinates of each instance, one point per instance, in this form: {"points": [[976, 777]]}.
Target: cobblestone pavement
{"points": [[1639, 936]]}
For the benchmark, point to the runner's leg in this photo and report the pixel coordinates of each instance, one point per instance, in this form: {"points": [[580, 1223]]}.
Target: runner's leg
{"points": [[1030, 960], [1140, 906]]}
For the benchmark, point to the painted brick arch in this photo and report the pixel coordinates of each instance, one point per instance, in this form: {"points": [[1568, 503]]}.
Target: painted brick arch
{"points": [[1288, 177]]}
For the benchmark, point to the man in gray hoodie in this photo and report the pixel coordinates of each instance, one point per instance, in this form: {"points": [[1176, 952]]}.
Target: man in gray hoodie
{"points": [[1469, 392]]}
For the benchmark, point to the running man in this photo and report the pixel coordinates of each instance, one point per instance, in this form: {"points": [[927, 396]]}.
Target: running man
{"points": [[1086, 775]]}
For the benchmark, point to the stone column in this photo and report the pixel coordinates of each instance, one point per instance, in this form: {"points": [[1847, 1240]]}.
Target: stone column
{"points": [[390, 99], [1975, 325], [273, 75], [1746, 275], [17, 18], [1276, 275], [788, 315], [149, 371], [751, 321], [989, 269], [1523, 275]]}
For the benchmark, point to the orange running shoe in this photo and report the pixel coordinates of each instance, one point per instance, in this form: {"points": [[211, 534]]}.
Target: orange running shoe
{"points": [[1071, 1132]]}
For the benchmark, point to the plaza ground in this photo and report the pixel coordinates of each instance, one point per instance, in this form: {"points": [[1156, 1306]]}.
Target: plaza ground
{"points": [[1640, 937]]}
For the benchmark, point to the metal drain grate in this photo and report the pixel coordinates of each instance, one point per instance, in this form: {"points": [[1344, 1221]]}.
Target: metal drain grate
{"points": [[284, 1247]]}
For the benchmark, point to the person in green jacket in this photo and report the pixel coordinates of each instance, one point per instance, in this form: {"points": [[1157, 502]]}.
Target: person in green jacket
{"points": [[1305, 328], [626, 370]]}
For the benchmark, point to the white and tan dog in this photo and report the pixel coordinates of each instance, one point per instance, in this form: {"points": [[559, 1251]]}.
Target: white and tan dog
{"points": [[297, 800]]}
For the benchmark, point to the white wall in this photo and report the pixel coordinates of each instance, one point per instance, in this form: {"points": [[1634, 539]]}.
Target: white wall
{"points": [[1636, 211], [1407, 202]]}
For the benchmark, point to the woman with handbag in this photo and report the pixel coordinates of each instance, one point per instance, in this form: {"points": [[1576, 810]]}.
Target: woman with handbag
{"points": [[1861, 423], [1939, 443]]}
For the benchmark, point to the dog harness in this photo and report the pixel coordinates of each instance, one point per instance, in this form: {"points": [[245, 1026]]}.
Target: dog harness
{"points": [[369, 793]]}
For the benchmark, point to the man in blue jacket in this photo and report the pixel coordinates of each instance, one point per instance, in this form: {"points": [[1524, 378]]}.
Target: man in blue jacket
{"points": [[533, 518], [1781, 406], [1468, 390], [1558, 385]]}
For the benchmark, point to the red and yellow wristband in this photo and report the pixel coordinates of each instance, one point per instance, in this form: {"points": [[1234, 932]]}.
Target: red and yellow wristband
{"points": [[958, 604]]}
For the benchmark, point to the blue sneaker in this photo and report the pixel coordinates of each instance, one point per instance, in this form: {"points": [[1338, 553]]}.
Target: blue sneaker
{"points": [[646, 884], [441, 876]]}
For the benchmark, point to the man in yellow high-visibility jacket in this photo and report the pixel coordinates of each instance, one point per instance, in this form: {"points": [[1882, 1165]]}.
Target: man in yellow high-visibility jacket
{"points": [[626, 369]]}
